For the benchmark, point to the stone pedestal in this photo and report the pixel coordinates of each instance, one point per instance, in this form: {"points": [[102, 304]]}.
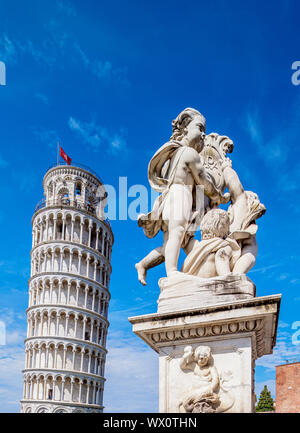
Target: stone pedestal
{"points": [[236, 332], [182, 291]]}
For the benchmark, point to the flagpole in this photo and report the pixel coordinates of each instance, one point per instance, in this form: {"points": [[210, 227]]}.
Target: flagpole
{"points": [[57, 153]]}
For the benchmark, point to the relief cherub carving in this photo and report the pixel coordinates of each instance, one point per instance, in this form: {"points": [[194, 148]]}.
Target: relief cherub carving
{"points": [[209, 395]]}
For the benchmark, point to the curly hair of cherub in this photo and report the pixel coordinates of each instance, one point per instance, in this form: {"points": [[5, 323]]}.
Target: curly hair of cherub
{"points": [[202, 349], [181, 122], [215, 224]]}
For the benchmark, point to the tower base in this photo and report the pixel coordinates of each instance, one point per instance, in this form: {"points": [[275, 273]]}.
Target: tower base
{"points": [[236, 333], [46, 406]]}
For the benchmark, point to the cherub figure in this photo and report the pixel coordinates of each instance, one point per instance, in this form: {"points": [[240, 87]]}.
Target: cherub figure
{"points": [[227, 249], [174, 171], [216, 253], [205, 397], [244, 210]]}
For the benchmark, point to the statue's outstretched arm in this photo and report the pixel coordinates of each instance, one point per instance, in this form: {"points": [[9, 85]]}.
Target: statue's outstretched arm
{"points": [[233, 183], [187, 360]]}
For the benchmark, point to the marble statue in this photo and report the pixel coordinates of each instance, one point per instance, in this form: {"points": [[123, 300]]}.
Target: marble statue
{"points": [[208, 396], [188, 161], [174, 170]]}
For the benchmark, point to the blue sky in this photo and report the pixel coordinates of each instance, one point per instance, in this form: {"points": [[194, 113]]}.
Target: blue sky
{"points": [[106, 79]]}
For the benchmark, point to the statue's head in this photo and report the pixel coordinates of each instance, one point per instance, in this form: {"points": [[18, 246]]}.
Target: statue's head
{"points": [[215, 224], [189, 126], [202, 355]]}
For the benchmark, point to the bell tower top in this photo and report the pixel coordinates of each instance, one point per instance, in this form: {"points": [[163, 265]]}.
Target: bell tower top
{"points": [[76, 186]]}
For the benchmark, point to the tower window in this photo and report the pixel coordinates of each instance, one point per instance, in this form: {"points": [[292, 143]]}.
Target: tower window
{"points": [[59, 230], [63, 196], [65, 199], [50, 394], [78, 189]]}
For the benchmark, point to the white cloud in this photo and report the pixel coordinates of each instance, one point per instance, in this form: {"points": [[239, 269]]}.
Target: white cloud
{"points": [[253, 127], [264, 269], [96, 136], [283, 351], [26, 181], [66, 7], [8, 49], [42, 98], [14, 327], [279, 148], [3, 163], [103, 69], [283, 325], [57, 47], [12, 361], [271, 150], [15, 337], [41, 56], [290, 181], [46, 136]]}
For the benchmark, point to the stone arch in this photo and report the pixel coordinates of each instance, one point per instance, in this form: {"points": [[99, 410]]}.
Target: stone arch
{"points": [[63, 192], [42, 409], [60, 410]]}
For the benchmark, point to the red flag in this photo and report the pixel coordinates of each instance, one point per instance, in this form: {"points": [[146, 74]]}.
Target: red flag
{"points": [[64, 156]]}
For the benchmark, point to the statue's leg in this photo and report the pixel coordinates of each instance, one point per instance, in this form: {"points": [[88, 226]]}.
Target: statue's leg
{"points": [[189, 246], [172, 247], [222, 261], [177, 213], [248, 257], [154, 258]]}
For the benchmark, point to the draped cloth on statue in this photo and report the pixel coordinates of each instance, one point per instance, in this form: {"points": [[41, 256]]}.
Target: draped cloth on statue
{"points": [[201, 250], [239, 235], [247, 226], [160, 181]]}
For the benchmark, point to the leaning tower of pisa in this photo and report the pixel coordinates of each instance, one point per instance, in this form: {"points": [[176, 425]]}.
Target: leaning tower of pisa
{"points": [[68, 295]]}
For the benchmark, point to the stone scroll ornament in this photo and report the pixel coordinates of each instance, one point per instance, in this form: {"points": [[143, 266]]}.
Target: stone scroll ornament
{"points": [[191, 159], [210, 394]]}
